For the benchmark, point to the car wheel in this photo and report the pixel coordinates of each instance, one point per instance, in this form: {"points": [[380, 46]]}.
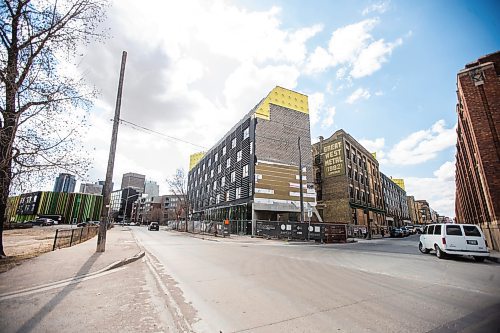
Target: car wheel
{"points": [[479, 259], [422, 249], [439, 253]]}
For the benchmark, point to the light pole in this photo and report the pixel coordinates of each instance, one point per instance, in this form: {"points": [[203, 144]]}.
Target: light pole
{"points": [[300, 184]]}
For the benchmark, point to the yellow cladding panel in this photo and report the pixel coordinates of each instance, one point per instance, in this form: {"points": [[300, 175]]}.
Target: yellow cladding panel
{"points": [[194, 159], [374, 155], [282, 97], [400, 182]]}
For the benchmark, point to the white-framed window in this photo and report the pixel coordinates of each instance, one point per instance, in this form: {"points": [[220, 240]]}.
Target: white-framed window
{"points": [[227, 195], [245, 171], [246, 133], [223, 181], [238, 192], [238, 156], [212, 173], [209, 162], [219, 168], [214, 185], [233, 143], [218, 199], [216, 157], [228, 163], [223, 150], [233, 176], [206, 177]]}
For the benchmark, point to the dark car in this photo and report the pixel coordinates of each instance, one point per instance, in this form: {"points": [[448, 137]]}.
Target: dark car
{"points": [[397, 232], [43, 221], [82, 224], [154, 226]]}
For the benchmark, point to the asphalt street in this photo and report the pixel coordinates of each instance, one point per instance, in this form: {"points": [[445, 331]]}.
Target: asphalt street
{"points": [[383, 285]]}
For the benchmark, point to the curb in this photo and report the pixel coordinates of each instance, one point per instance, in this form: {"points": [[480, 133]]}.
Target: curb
{"points": [[494, 259], [107, 268]]}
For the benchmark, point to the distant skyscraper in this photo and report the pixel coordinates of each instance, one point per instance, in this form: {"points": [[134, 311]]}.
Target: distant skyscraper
{"points": [[91, 188], [65, 182], [133, 180], [477, 198], [151, 188]]}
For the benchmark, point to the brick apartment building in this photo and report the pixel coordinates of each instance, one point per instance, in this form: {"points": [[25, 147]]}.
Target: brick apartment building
{"points": [[478, 146], [252, 173], [395, 202], [348, 183]]}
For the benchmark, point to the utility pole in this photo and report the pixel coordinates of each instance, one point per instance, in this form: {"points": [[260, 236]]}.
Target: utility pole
{"points": [[300, 184], [101, 237]]}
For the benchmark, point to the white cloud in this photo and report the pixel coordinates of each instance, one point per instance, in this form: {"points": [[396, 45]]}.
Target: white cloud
{"points": [[373, 145], [371, 58], [319, 60], [379, 7], [328, 119], [439, 191], [316, 106], [379, 93], [358, 94], [422, 146]]}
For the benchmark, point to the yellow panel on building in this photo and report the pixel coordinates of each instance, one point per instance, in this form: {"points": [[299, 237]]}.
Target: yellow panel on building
{"points": [[194, 159], [283, 97], [400, 182]]}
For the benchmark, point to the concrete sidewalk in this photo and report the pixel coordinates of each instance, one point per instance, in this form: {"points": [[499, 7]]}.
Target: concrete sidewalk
{"points": [[70, 262]]}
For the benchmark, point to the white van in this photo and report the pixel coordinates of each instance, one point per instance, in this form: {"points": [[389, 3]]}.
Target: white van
{"points": [[454, 239]]}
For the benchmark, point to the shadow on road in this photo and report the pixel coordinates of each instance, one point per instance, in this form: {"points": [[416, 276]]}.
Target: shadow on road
{"points": [[47, 308]]}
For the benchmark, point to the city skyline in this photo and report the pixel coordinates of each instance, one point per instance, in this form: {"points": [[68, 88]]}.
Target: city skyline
{"points": [[383, 71]]}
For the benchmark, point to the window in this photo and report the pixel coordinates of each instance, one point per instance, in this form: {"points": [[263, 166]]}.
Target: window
{"points": [[246, 133], [430, 230], [205, 177], [238, 156], [351, 192], [355, 175], [349, 172], [209, 162], [245, 171], [471, 230], [219, 168], [347, 153], [227, 196], [211, 173], [223, 181], [437, 230], [223, 150], [214, 185], [216, 157], [357, 194], [228, 163], [238, 192], [233, 176], [233, 143]]}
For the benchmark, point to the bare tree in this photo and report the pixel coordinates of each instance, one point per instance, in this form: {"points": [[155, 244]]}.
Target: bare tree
{"points": [[42, 104], [178, 186]]}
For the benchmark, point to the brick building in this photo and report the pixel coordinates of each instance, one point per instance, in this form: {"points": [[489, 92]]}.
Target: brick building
{"points": [[347, 180], [415, 217], [424, 211], [252, 173], [477, 197], [396, 206]]}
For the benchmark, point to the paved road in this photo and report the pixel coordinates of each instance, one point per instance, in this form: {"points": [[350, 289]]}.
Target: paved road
{"points": [[269, 286]]}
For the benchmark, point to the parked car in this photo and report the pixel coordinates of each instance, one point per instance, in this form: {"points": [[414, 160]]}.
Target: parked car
{"points": [[43, 221], [418, 228], [404, 231], [454, 239], [410, 229], [82, 224], [154, 226], [396, 232]]}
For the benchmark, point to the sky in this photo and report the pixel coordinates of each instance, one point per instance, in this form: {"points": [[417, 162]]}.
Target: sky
{"points": [[384, 71]]}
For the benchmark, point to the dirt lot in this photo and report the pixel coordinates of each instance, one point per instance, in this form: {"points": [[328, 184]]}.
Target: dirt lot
{"points": [[22, 244]]}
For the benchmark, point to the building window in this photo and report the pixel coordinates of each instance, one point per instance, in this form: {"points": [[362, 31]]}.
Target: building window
{"points": [[357, 194], [219, 168], [246, 133], [223, 150], [206, 177], [223, 181], [227, 195], [216, 157], [347, 153], [212, 173], [351, 192], [245, 171], [233, 176], [233, 143], [238, 192], [238, 156], [349, 172], [355, 175], [228, 163], [215, 185]]}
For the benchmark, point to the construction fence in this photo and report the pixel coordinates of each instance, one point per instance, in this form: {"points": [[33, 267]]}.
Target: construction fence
{"points": [[320, 232]]}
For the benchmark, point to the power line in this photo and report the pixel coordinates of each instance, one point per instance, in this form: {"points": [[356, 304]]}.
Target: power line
{"points": [[136, 126]]}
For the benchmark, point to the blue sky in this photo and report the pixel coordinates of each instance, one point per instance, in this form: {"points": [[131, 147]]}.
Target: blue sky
{"points": [[384, 71]]}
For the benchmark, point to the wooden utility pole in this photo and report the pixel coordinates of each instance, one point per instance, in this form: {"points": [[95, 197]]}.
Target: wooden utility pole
{"points": [[101, 237]]}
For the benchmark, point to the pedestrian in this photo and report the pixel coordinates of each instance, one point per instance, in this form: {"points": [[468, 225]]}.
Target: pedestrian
{"points": [[382, 232]]}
